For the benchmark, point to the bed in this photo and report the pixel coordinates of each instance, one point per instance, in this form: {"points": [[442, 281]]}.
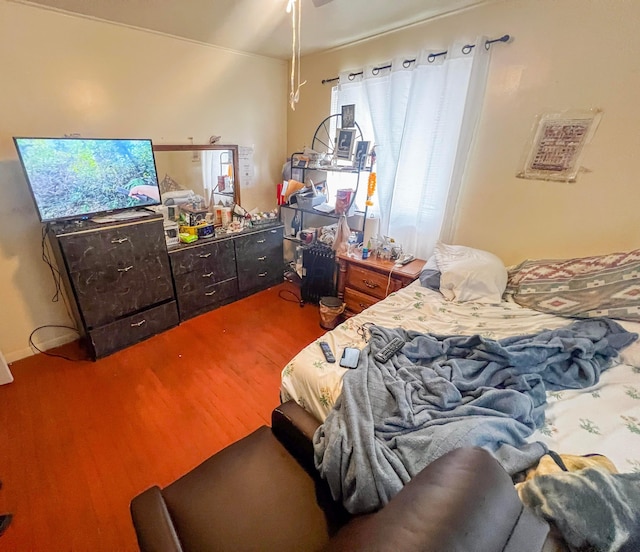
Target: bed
{"points": [[603, 418]]}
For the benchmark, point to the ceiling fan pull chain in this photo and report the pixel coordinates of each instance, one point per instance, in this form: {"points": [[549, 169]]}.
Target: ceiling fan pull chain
{"points": [[296, 18]]}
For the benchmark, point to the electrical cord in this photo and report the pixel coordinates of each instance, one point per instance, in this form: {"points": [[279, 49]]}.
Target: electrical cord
{"points": [[296, 299], [34, 346], [57, 282], [386, 293], [55, 274]]}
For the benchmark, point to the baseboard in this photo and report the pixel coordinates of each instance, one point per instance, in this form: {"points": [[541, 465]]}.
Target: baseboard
{"points": [[42, 345]]}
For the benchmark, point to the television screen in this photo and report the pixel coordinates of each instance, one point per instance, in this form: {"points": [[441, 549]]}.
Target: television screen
{"points": [[79, 177]]}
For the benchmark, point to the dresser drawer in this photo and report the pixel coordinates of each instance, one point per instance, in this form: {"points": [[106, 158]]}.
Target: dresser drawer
{"points": [[371, 282], [127, 331], [217, 257], [259, 276], [111, 291], [357, 301], [259, 259], [259, 243], [119, 246], [206, 297]]}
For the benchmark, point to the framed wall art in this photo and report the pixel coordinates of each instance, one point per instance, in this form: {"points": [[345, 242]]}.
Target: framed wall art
{"points": [[557, 145]]}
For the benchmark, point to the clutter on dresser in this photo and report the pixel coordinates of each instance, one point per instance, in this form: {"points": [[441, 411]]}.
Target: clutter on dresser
{"points": [[171, 232], [262, 218]]}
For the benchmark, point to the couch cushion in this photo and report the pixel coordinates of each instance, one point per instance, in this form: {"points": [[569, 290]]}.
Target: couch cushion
{"points": [[462, 501], [253, 495]]}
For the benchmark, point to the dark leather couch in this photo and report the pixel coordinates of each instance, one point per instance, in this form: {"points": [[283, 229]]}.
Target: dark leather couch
{"points": [[262, 493]]}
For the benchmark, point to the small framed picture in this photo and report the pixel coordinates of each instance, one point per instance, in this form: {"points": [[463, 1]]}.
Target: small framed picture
{"points": [[348, 116], [362, 151], [344, 143]]}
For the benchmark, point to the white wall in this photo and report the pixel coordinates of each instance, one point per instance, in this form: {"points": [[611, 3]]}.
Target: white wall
{"points": [[63, 74], [565, 54]]}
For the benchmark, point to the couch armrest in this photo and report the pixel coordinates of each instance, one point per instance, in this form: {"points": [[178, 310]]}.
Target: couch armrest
{"points": [[152, 522], [294, 427], [462, 501]]}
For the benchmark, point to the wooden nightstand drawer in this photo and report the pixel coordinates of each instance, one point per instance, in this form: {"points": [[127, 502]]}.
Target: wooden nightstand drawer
{"points": [[370, 282], [357, 301], [361, 283]]}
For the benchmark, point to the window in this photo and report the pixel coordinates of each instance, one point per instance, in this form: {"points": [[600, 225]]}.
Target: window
{"points": [[421, 117]]}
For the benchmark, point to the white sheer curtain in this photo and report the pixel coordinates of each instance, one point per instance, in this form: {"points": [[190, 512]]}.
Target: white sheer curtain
{"points": [[210, 171], [422, 119]]}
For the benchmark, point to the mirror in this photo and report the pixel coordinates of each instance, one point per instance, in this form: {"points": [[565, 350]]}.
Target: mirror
{"points": [[210, 171]]}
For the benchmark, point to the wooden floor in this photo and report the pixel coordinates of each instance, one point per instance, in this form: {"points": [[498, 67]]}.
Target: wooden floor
{"points": [[80, 439]]}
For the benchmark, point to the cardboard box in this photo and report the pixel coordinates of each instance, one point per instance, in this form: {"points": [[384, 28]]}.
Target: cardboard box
{"points": [[194, 216]]}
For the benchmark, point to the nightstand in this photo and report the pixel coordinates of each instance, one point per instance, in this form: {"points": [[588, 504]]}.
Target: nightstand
{"points": [[363, 282]]}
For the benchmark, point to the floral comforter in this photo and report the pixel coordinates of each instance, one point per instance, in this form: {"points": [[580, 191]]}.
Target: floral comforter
{"points": [[603, 419]]}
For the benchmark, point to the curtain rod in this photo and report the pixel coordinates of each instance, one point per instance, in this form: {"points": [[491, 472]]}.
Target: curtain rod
{"points": [[430, 58]]}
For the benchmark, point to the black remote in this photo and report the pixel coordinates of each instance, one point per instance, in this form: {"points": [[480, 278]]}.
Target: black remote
{"points": [[328, 355], [389, 350]]}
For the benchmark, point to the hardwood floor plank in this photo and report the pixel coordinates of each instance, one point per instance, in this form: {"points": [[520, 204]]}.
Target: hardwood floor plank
{"points": [[78, 440]]}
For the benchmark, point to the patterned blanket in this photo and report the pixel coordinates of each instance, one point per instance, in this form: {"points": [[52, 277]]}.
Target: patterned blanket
{"points": [[593, 509], [444, 392]]}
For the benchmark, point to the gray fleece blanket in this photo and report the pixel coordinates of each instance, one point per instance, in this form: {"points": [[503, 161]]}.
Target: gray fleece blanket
{"points": [[444, 392]]}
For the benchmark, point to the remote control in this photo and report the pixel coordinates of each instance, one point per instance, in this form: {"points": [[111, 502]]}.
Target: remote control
{"points": [[389, 350], [328, 355]]}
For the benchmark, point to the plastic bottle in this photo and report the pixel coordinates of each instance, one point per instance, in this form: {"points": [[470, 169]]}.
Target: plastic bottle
{"points": [[296, 224], [365, 250], [352, 245]]}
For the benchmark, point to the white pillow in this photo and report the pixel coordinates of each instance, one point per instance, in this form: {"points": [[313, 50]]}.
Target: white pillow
{"points": [[469, 274]]}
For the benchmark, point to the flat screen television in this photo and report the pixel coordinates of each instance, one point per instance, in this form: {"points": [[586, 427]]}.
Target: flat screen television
{"points": [[75, 178]]}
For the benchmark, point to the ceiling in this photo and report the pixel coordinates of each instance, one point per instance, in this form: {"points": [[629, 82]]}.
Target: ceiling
{"points": [[262, 26]]}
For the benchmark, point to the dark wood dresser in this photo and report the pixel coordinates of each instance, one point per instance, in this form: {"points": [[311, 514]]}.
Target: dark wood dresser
{"points": [[118, 279], [259, 258], [125, 286], [216, 271]]}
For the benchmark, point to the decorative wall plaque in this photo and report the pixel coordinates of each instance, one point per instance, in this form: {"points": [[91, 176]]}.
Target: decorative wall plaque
{"points": [[557, 146]]}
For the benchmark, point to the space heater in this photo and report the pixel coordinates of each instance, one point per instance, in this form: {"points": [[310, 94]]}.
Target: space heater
{"points": [[319, 273]]}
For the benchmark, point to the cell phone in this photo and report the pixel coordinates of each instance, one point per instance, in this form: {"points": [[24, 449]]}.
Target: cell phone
{"points": [[350, 357]]}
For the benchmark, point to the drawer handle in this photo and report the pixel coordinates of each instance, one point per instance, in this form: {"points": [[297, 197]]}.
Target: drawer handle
{"points": [[261, 241], [362, 305], [119, 240], [262, 258], [208, 275], [210, 293], [125, 269], [138, 324], [272, 231], [370, 284], [204, 255], [262, 274]]}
